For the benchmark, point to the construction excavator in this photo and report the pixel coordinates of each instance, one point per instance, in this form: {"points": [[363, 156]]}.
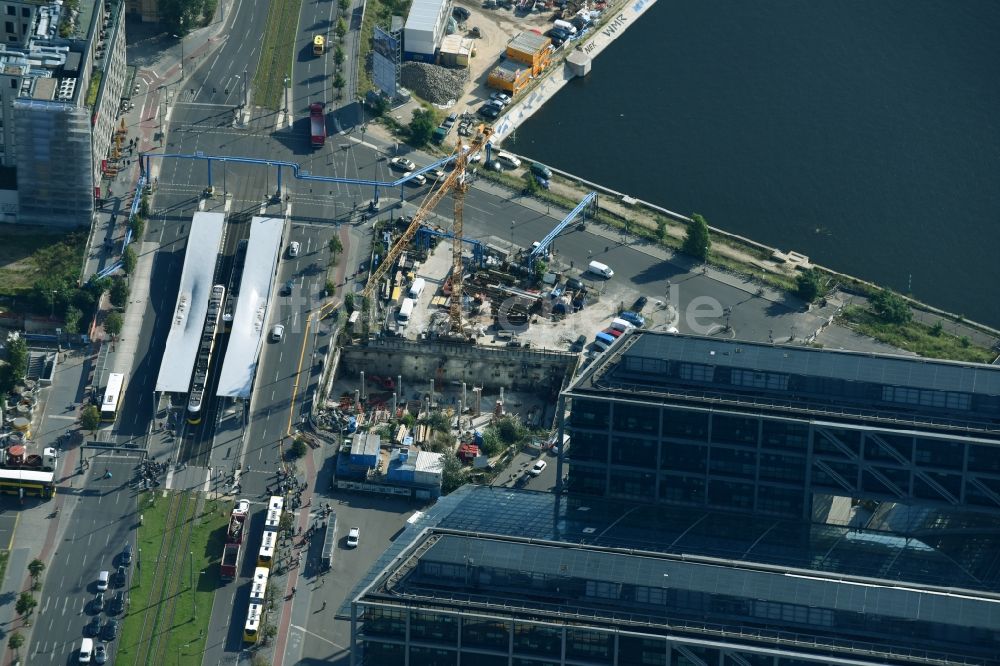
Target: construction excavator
{"points": [[457, 184]]}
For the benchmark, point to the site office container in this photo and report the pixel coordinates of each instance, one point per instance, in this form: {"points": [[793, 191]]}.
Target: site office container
{"points": [[531, 49], [406, 309], [416, 288], [508, 76]]}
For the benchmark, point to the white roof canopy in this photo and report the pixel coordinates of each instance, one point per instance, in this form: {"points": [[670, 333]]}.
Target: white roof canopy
{"points": [[252, 306], [192, 303]]}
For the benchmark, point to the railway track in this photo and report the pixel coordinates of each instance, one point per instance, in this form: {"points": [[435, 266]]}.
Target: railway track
{"points": [[162, 597]]}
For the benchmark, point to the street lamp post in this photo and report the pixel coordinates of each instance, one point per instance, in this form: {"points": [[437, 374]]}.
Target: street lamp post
{"points": [[181, 38], [287, 80], [193, 601]]}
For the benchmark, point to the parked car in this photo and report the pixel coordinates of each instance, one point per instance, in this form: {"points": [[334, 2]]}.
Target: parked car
{"points": [[127, 554], [415, 181], [489, 4], [574, 283], [277, 333], [117, 605], [97, 605], [640, 303], [461, 14], [449, 121], [579, 344], [286, 289], [354, 537], [102, 580], [558, 36], [100, 654], [121, 575], [110, 631], [541, 170], [501, 98], [489, 111], [494, 165], [508, 160], [634, 318], [542, 182], [538, 467], [293, 249], [93, 627], [402, 164], [436, 174], [613, 332]]}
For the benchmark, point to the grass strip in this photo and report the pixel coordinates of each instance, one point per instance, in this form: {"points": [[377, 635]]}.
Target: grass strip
{"points": [[915, 337], [154, 510], [29, 254], [276, 53], [187, 639]]}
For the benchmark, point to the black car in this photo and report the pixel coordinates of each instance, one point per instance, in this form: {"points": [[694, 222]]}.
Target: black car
{"points": [[579, 344], [574, 283], [489, 111], [117, 605], [93, 627], [127, 554], [461, 14], [97, 605], [639, 304], [120, 576], [110, 631]]}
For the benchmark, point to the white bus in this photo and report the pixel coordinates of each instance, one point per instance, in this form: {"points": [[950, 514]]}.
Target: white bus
{"points": [[265, 556], [255, 619], [258, 588], [113, 394]]}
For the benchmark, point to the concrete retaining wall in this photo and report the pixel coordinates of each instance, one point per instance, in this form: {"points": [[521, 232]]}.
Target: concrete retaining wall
{"points": [[490, 367]]}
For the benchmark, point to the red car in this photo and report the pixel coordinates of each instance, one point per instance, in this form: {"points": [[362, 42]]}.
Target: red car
{"points": [[613, 332]]}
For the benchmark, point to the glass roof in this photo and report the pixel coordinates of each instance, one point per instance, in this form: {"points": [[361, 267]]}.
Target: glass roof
{"points": [[948, 548]]}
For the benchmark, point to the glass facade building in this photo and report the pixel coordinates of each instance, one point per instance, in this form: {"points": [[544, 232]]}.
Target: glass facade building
{"points": [[500, 576], [776, 430]]}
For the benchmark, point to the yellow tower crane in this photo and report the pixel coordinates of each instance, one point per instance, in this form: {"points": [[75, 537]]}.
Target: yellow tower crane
{"points": [[457, 183]]}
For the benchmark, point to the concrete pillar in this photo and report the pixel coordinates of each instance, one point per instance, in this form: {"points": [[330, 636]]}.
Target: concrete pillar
{"points": [[364, 393], [458, 422], [394, 406], [399, 385], [477, 391], [357, 397], [465, 395], [430, 392], [501, 394]]}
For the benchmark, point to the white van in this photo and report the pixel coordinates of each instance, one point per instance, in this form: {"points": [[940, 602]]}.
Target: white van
{"points": [[102, 581], [416, 288], [86, 650], [621, 325], [598, 268], [405, 310], [565, 25]]}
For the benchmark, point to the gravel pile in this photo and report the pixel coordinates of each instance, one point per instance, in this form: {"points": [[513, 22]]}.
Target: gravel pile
{"points": [[437, 85]]}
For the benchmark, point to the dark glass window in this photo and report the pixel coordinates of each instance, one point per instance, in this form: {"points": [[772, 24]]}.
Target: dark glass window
{"points": [[734, 430], [638, 651], [633, 451], [733, 462], [425, 656], [701, 656], [637, 418], [632, 485], [590, 413], [535, 640], [582, 644], [785, 435], [984, 458], [838, 442], [587, 480], [484, 633], [522, 662], [886, 481], [684, 457], [783, 501], [432, 626], [689, 490], [377, 654], [939, 453], [730, 494], [589, 445], [687, 425], [384, 622], [782, 467], [697, 372]]}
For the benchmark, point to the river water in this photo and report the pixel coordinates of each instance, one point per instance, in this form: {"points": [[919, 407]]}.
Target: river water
{"points": [[865, 135]]}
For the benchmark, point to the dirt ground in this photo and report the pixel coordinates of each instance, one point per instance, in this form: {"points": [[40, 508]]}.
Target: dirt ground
{"points": [[497, 27]]}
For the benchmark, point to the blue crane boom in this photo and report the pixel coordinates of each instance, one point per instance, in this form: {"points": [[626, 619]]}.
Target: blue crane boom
{"points": [[543, 246]]}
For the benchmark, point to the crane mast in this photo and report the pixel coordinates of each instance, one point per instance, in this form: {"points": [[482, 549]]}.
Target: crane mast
{"points": [[457, 183]]}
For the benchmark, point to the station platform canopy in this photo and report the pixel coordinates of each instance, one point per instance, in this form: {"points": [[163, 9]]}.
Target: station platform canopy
{"points": [[252, 307], [192, 303]]}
